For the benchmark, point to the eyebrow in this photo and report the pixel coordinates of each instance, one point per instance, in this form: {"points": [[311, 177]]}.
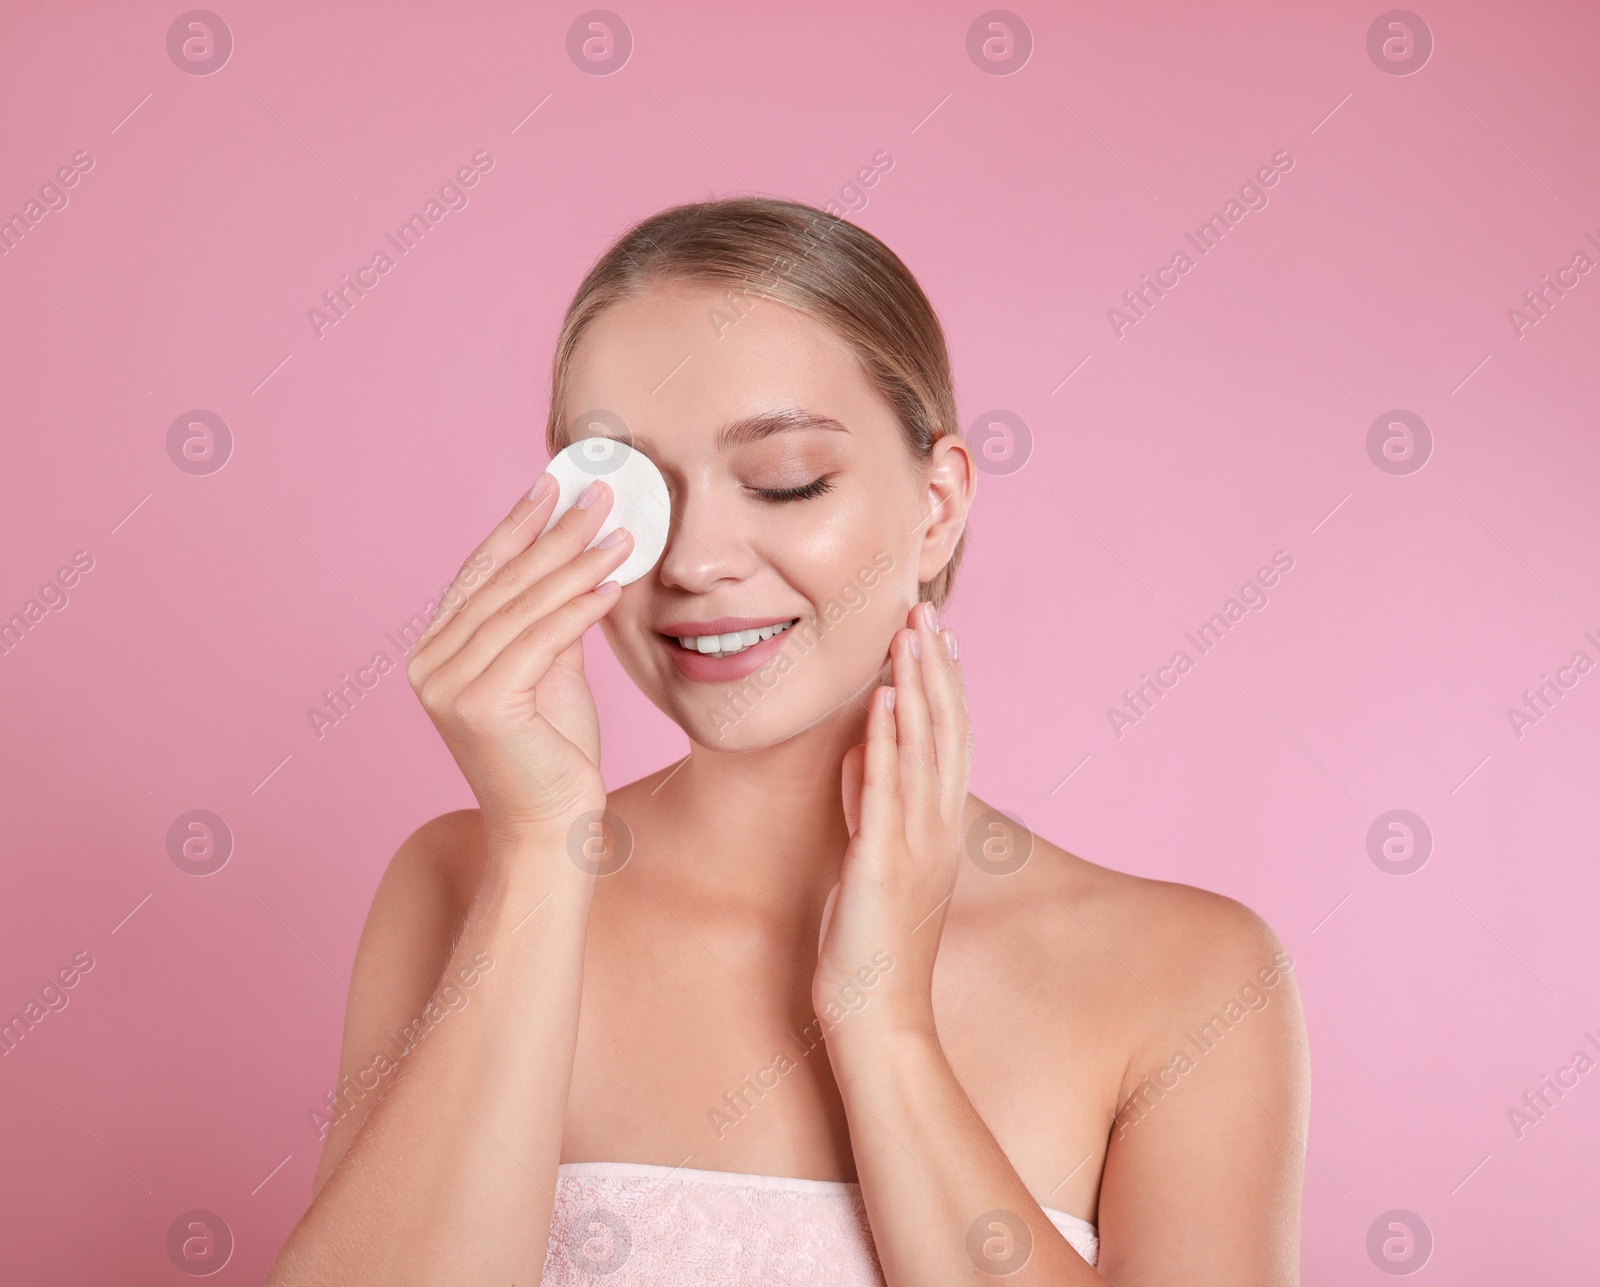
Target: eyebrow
{"points": [[750, 429], [739, 433]]}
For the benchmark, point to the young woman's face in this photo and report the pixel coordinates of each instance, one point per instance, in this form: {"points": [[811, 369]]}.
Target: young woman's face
{"points": [[795, 499]]}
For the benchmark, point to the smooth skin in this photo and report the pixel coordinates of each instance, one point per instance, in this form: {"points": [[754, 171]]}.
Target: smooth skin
{"points": [[1022, 1049]]}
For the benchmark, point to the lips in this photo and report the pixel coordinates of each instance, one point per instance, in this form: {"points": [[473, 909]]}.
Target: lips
{"points": [[705, 667], [728, 645], [720, 625]]}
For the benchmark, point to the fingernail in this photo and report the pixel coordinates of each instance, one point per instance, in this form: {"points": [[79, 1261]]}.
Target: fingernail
{"points": [[591, 494], [916, 645], [933, 618], [610, 587], [889, 700], [613, 539], [538, 490], [949, 637]]}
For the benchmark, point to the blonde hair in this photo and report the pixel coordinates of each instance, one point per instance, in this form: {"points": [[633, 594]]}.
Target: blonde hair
{"points": [[813, 261]]}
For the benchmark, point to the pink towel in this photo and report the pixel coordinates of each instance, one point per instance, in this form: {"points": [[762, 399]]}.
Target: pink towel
{"points": [[623, 1223]]}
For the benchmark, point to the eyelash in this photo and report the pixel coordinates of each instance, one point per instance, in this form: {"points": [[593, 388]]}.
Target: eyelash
{"points": [[781, 494]]}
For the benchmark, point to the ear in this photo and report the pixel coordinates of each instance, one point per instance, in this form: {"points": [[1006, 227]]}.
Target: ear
{"points": [[952, 483]]}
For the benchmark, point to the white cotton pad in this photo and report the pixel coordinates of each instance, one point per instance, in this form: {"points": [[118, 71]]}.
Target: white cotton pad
{"points": [[641, 503]]}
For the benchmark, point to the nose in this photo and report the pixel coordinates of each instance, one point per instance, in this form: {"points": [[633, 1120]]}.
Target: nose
{"points": [[707, 542]]}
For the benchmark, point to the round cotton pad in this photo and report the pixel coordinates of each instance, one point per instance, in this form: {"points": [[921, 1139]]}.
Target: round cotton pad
{"points": [[641, 502]]}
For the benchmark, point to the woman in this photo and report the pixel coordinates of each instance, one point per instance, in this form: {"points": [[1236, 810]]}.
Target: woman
{"points": [[798, 1008]]}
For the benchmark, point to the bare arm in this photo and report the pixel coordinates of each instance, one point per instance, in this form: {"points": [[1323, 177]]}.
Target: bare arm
{"points": [[943, 1200], [945, 1203], [444, 1170], [442, 1167], [1209, 1146], [405, 950], [1206, 1154]]}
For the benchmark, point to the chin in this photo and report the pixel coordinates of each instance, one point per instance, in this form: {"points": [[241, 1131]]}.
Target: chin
{"points": [[746, 719], [754, 716]]}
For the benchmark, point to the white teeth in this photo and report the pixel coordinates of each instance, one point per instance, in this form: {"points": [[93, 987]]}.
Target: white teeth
{"points": [[729, 644]]}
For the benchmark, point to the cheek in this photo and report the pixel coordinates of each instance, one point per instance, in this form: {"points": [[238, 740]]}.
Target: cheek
{"points": [[824, 554], [854, 567]]}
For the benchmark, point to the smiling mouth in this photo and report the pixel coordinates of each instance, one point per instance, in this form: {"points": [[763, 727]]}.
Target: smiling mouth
{"points": [[733, 643]]}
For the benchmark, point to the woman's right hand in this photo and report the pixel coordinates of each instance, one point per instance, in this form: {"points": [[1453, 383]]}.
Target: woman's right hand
{"points": [[500, 670]]}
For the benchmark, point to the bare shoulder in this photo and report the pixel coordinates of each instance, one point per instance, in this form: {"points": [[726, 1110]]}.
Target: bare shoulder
{"points": [[1217, 992], [1179, 933], [1207, 1092], [1187, 936], [419, 907], [447, 852], [1151, 959]]}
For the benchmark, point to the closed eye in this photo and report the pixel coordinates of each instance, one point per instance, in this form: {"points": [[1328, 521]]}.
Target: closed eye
{"points": [[777, 495]]}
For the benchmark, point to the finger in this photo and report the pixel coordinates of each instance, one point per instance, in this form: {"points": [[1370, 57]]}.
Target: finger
{"points": [[523, 552], [947, 706], [536, 559], [919, 779], [512, 620], [882, 817], [509, 537], [572, 655], [827, 915], [850, 783], [527, 659]]}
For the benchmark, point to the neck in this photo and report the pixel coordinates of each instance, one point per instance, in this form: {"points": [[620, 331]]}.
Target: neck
{"points": [[759, 833]]}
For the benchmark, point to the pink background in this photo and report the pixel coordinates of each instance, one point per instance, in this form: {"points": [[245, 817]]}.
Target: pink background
{"points": [[1230, 423]]}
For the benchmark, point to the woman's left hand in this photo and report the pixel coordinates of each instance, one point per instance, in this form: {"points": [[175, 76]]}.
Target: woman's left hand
{"points": [[905, 795]]}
